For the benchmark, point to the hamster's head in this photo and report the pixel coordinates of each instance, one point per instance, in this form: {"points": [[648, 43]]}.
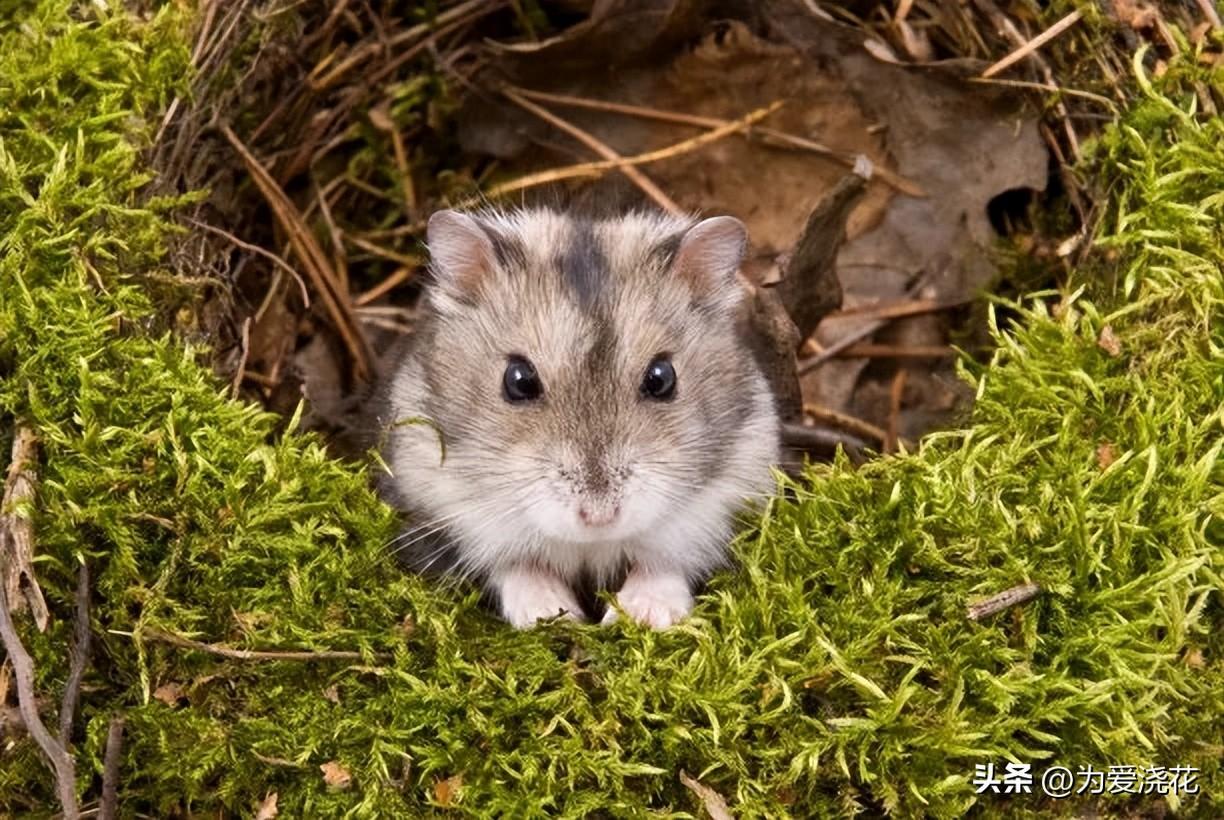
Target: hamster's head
{"points": [[586, 375]]}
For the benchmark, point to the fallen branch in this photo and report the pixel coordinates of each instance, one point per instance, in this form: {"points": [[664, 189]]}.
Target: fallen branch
{"points": [[61, 762], [254, 654], [80, 656], [17, 531], [108, 806], [596, 169], [1004, 600]]}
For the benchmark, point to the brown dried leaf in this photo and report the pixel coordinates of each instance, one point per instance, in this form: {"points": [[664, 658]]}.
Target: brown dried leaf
{"points": [[336, 776], [1137, 15], [714, 803], [1109, 342], [446, 792], [267, 809], [1106, 455], [169, 693]]}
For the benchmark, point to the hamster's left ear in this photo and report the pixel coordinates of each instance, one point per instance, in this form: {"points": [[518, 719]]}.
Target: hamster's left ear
{"points": [[460, 252], [709, 257]]}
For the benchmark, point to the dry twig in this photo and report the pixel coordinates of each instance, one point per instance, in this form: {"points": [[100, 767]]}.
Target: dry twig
{"points": [[638, 178], [80, 656], [1033, 44], [594, 169], [307, 249], [264, 252], [857, 426], [252, 654], [895, 394], [108, 806], [17, 530], [1004, 600], [61, 762], [768, 136]]}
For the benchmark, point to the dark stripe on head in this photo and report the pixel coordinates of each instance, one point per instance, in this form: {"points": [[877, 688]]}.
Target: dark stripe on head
{"points": [[584, 268], [664, 253], [601, 356], [511, 255]]}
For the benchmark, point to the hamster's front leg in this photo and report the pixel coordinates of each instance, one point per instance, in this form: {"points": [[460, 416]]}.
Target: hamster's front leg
{"points": [[657, 598], [527, 594]]}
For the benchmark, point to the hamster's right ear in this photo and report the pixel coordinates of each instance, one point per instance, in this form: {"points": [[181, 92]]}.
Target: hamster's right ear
{"points": [[461, 253]]}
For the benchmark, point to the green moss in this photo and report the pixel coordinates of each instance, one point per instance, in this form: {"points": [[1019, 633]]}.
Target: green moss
{"points": [[836, 670]]}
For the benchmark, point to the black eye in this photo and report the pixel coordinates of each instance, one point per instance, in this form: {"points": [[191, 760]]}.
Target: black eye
{"points": [[660, 379], [521, 382]]}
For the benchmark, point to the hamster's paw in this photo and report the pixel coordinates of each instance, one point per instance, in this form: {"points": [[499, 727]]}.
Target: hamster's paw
{"points": [[529, 595], [657, 599]]}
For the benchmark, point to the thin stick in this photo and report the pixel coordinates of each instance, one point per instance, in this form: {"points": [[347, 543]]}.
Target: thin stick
{"points": [[1033, 44], [895, 394], [1050, 87], [80, 656], [401, 275], [108, 806], [863, 429], [1003, 600], [769, 136], [853, 337], [368, 50], [877, 351], [1209, 11], [603, 149], [252, 654], [338, 305], [236, 383], [898, 310], [595, 169], [23, 670], [380, 251], [267, 254]]}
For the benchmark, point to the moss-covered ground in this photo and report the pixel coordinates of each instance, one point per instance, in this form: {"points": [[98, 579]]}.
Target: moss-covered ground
{"points": [[836, 671]]}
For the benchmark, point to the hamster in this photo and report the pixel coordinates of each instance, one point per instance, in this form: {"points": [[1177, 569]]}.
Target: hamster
{"points": [[575, 407]]}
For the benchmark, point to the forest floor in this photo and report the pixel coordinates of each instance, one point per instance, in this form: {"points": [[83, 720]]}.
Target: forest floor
{"points": [[207, 213]]}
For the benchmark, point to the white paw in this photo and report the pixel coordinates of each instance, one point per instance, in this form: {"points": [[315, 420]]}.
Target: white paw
{"points": [[655, 599], [529, 595]]}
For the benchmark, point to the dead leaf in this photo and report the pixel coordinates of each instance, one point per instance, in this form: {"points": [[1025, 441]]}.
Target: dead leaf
{"points": [[336, 776], [169, 693], [1105, 455], [1137, 15], [332, 693], [1109, 342], [446, 792], [714, 803], [267, 809]]}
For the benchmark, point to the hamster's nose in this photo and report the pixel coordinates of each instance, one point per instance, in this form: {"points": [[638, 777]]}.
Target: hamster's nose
{"points": [[598, 515]]}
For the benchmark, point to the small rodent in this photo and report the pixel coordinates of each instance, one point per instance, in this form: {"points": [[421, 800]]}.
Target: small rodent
{"points": [[576, 408]]}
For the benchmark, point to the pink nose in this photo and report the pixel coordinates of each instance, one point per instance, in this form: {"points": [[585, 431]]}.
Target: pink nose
{"points": [[598, 516]]}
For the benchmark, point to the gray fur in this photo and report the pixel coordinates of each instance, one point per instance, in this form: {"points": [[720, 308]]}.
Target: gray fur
{"points": [[590, 304]]}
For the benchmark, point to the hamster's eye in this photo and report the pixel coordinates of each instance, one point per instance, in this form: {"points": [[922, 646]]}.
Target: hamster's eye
{"points": [[521, 382], [660, 379]]}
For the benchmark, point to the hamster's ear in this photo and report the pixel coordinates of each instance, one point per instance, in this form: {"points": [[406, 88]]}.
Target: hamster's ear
{"points": [[460, 252], [709, 257]]}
